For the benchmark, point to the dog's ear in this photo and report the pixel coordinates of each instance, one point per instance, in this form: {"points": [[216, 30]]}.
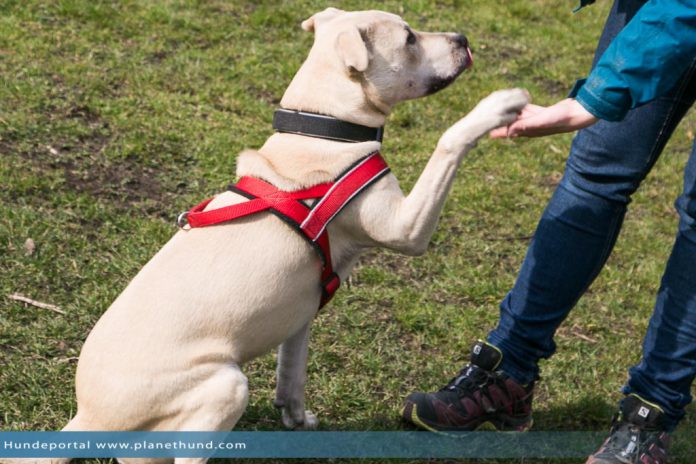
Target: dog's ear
{"points": [[352, 49], [310, 24]]}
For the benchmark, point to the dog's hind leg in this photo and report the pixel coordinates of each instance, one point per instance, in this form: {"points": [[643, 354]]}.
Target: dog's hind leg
{"points": [[291, 379], [215, 404], [81, 424]]}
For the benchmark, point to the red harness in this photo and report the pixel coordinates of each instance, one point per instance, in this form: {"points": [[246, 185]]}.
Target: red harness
{"points": [[310, 222]]}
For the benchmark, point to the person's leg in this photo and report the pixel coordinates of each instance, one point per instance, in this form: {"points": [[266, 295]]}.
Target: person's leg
{"points": [[668, 368], [659, 387], [578, 229], [573, 240]]}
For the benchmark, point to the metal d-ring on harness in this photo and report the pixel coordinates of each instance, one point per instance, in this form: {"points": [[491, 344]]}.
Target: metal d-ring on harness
{"points": [[310, 222]]}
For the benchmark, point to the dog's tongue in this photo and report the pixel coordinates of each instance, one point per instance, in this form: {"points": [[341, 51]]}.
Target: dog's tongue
{"points": [[470, 56]]}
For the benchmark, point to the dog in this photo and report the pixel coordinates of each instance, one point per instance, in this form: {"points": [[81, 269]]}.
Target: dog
{"points": [[168, 352]]}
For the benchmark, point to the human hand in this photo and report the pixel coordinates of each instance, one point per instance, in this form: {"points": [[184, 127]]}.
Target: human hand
{"points": [[534, 121]]}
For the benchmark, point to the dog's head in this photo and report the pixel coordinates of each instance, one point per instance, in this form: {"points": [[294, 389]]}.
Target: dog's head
{"points": [[392, 61]]}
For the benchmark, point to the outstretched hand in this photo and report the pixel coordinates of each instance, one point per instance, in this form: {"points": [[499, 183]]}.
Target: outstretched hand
{"points": [[534, 121]]}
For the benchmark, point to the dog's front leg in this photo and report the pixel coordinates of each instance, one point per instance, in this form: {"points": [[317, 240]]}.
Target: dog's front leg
{"points": [[406, 224], [291, 379]]}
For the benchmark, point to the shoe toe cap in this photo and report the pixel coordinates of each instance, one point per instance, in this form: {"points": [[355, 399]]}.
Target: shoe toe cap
{"points": [[420, 404]]}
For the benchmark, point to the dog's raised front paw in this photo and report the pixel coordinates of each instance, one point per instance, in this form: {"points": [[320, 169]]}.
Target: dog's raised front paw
{"points": [[502, 106], [302, 420], [498, 109]]}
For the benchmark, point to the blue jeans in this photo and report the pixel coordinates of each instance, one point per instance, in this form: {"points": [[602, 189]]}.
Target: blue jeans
{"points": [[577, 232]]}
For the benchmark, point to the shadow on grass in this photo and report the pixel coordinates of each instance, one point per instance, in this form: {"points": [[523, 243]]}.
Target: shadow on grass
{"points": [[591, 412]]}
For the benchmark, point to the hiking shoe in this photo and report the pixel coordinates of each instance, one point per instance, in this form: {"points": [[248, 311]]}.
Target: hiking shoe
{"points": [[637, 435], [479, 394]]}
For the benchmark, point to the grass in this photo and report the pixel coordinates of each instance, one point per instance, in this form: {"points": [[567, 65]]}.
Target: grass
{"points": [[116, 116]]}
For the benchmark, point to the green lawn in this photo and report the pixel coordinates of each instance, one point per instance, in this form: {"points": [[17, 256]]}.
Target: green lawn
{"points": [[116, 116]]}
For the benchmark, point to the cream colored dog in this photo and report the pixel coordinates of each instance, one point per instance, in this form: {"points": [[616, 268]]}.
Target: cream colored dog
{"points": [[167, 353]]}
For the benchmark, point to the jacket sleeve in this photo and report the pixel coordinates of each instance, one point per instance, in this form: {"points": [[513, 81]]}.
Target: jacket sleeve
{"points": [[644, 60]]}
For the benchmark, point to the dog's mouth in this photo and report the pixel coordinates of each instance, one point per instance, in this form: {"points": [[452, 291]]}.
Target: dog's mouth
{"points": [[469, 58], [439, 83]]}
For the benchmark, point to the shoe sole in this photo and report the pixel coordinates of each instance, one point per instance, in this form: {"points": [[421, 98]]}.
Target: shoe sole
{"points": [[505, 424]]}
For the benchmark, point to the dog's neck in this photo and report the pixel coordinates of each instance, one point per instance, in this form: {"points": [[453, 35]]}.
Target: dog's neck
{"points": [[315, 89], [293, 161]]}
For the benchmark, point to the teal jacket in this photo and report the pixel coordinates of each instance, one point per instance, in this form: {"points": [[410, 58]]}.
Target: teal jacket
{"points": [[644, 60]]}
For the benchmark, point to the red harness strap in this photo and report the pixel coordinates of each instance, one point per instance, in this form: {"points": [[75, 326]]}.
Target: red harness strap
{"points": [[310, 223]]}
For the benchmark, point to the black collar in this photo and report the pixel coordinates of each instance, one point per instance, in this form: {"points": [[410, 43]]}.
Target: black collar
{"points": [[324, 127]]}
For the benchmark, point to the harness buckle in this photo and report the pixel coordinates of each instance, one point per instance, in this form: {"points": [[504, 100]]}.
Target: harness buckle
{"points": [[182, 220]]}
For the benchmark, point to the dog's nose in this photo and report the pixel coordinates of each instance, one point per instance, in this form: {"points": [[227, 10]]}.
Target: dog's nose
{"points": [[461, 40]]}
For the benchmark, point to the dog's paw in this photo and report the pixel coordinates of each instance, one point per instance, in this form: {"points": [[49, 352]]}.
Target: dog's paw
{"points": [[310, 421], [498, 109], [502, 106], [301, 420]]}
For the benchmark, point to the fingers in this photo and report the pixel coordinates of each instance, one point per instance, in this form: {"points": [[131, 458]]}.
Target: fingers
{"points": [[565, 116], [536, 121], [499, 133], [531, 109], [542, 123], [504, 131]]}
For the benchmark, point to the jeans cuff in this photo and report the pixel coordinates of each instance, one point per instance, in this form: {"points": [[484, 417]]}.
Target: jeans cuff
{"points": [[670, 420], [508, 365]]}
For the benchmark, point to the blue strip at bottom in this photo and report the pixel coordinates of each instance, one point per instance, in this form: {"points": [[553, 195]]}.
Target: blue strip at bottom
{"points": [[482, 445]]}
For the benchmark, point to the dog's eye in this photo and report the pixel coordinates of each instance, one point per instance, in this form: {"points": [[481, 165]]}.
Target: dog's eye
{"points": [[411, 37]]}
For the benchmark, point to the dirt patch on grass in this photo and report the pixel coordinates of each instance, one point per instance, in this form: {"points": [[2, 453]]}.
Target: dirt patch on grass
{"points": [[395, 263], [158, 56], [126, 182], [552, 87], [85, 170], [86, 166], [6, 349], [86, 114], [5, 148], [123, 180]]}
